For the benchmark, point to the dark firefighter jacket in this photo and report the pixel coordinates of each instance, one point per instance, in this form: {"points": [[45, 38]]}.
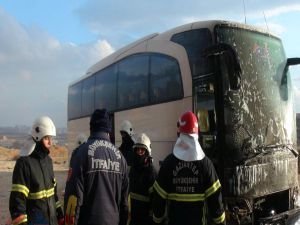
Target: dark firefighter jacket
{"points": [[34, 188], [97, 187], [127, 149], [192, 188], [140, 192], [70, 185]]}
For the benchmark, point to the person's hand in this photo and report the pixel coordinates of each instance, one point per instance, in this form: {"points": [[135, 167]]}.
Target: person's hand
{"points": [[70, 220], [61, 221], [17, 220], [70, 212], [8, 222]]}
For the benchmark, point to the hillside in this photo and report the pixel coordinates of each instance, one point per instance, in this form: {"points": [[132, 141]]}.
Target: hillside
{"points": [[59, 155], [8, 154]]}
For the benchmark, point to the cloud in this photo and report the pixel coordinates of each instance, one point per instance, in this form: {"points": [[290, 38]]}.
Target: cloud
{"points": [[103, 48], [274, 28], [36, 70], [95, 51], [25, 75], [123, 21], [282, 10], [295, 74], [297, 96]]}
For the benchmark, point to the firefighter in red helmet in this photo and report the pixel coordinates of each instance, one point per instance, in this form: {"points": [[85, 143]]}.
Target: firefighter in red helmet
{"points": [[187, 180]]}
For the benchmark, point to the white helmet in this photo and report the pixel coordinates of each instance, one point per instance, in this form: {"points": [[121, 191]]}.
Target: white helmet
{"points": [[143, 141], [126, 126], [42, 127], [81, 138]]}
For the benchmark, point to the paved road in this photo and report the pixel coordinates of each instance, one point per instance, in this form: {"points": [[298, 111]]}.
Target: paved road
{"points": [[5, 186]]}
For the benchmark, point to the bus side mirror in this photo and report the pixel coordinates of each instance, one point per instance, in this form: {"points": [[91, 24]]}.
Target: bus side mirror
{"points": [[289, 62], [293, 61], [231, 62]]}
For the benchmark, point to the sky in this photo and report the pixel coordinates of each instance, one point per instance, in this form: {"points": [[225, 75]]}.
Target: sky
{"points": [[46, 45]]}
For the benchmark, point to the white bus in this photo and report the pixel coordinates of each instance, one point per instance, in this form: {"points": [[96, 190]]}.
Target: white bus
{"points": [[235, 78]]}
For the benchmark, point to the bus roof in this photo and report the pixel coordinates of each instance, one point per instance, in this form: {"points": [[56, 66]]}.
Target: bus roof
{"points": [[210, 24]]}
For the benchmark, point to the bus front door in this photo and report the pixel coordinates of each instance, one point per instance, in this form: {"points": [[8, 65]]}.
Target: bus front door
{"points": [[204, 108]]}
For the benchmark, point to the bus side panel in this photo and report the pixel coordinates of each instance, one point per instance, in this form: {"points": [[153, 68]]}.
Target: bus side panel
{"points": [[262, 179]]}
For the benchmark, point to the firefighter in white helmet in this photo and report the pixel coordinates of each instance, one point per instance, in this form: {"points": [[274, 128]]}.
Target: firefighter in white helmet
{"points": [[126, 132], [187, 180], [141, 178], [33, 198], [81, 139]]}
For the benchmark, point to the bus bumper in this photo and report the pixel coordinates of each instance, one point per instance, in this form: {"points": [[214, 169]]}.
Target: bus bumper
{"points": [[291, 217]]}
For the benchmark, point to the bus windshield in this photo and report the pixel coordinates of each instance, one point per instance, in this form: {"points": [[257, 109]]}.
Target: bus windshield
{"points": [[260, 114]]}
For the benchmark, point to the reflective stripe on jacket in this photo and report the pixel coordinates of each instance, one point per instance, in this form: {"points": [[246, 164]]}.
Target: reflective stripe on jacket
{"points": [[141, 190]]}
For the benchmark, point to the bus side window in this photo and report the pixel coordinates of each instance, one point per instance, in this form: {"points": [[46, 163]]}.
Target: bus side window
{"points": [[123, 100], [132, 98], [156, 95], [143, 97], [173, 88]]}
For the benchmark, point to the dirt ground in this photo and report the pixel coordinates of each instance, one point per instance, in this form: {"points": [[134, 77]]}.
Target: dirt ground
{"points": [[6, 169]]}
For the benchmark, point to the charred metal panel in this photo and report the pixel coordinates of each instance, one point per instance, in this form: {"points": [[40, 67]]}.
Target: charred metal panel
{"points": [[263, 178]]}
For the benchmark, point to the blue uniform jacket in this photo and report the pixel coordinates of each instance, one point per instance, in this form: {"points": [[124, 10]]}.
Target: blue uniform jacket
{"points": [[97, 183]]}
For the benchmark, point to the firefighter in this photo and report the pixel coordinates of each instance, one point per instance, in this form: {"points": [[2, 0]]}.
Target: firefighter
{"points": [[126, 147], [97, 188], [33, 198], [188, 181], [142, 176], [80, 139]]}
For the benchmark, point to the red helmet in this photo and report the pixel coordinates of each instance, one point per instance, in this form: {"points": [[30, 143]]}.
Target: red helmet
{"points": [[188, 123]]}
